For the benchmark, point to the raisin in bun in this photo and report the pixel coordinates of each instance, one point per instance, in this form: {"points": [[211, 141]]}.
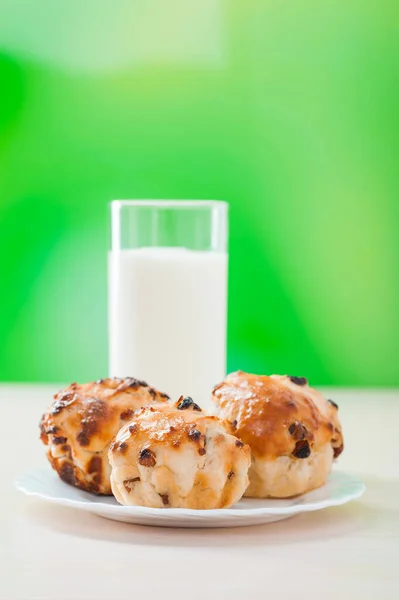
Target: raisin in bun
{"points": [[175, 456], [81, 423], [293, 431]]}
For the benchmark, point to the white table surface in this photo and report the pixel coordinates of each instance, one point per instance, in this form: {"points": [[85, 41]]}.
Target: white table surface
{"points": [[51, 552]]}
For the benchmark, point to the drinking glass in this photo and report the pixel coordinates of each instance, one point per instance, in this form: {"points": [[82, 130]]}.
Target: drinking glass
{"points": [[168, 294]]}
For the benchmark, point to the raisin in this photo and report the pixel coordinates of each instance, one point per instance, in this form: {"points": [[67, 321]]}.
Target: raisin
{"points": [[230, 474], [52, 430], [234, 424], [338, 451], [122, 447], [165, 499], [127, 484], [134, 384], [302, 449], [298, 430], [194, 434], [298, 380], [59, 440], [142, 383], [239, 444], [147, 458], [127, 414], [187, 402]]}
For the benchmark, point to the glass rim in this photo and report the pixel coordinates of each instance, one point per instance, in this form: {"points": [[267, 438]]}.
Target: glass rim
{"points": [[115, 204]]}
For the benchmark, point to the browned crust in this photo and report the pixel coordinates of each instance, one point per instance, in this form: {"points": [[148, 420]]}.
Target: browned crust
{"points": [[272, 414], [81, 423], [159, 434]]}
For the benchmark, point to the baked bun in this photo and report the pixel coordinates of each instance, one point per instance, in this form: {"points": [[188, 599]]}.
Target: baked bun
{"points": [[293, 431], [81, 423], [174, 456]]}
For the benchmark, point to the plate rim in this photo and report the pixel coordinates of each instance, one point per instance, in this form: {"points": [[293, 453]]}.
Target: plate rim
{"points": [[213, 514]]}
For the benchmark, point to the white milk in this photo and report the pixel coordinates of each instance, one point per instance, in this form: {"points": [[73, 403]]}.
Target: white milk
{"points": [[167, 319]]}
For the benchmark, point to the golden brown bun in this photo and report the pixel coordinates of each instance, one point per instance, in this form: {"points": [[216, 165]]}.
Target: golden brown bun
{"points": [[81, 423], [174, 456], [293, 431]]}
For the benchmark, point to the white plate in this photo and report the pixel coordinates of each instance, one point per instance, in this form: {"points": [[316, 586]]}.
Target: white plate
{"points": [[45, 484]]}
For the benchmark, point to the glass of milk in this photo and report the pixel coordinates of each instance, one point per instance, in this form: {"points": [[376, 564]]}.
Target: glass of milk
{"points": [[168, 294]]}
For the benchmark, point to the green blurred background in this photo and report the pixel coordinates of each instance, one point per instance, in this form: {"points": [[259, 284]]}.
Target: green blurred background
{"points": [[288, 110]]}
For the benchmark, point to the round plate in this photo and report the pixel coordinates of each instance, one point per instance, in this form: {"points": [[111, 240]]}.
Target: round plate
{"points": [[45, 484]]}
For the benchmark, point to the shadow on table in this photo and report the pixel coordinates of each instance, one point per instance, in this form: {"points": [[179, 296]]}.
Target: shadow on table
{"points": [[330, 523]]}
